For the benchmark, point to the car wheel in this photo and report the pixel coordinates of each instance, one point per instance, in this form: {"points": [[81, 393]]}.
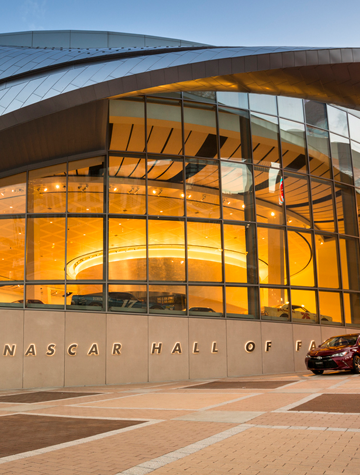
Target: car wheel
{"points": [[356, 364], [317, 371]]}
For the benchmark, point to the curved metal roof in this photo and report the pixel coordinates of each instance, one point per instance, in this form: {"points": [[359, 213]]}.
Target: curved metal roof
{"points": [[35, 82]]}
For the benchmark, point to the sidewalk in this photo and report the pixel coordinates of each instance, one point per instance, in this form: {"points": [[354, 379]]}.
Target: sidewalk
{"points": [[279, 424]]}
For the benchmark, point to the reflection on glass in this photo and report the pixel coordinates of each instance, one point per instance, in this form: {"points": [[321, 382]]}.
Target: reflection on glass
{"points": [[165, 187], [204, 252], [13, 194], [347, 308], [11, 296], [12, 246], [206, 301], [322, 204], [47, 190], [127, 125], [357, 197], [85, 297], [293, 147], [319, 152], [166, 250], [337, 121], [233, 99], [297, 200], [354, 125], [301, 259], [234, 130], [85, 252], [168, 299], [341, 159], [164, 133], [330, 308], [200, 96], [127, 185], [263, 103], [346, 210], [86, 186], [237, 192], [242, 302], [352, 308], [45, 296], [349, 252], [269, 195], [127, 249], [265, 139], [291, 108], [239, 254], [45, 249], [326, 260], [315, 113], [271, 255], [202, 189], [127, 298], [274, 304], [355, 152], [303, 306], [200, 130]]}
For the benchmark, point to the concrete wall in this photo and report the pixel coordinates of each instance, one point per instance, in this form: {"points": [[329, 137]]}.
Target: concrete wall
{"points": [[56, 349]]}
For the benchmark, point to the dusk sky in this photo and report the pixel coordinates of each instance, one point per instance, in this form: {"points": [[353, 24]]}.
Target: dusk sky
{"points": [[233, 22]]}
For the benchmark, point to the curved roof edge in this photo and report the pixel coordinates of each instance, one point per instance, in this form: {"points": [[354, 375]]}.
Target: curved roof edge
{"points": [[87, 39]]}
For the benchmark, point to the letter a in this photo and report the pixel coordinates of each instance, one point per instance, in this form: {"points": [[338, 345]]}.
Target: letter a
{"points": [[31, 351], [94, 350], [177, 348]]}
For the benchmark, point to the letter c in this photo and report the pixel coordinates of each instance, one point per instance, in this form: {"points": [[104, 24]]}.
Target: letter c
{"points": [[72, 349]]}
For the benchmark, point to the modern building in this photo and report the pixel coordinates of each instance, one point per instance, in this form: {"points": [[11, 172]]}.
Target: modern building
{"points": [[173, 210]]}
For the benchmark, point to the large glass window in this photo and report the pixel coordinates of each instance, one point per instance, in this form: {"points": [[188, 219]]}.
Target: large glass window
{"points": [[234, 130], [12, 247], [293, 147], [319, 152], [233, 99], [164, 134], [86, 186], [326, 261], [341, 159], [237, 192], [303, 306], [346, 210], [322, 205], [13, 194], [301, 259], [263, 103], [168, 299], [274, 304], [297, 200], [355, 152], [349, 253], [272, 256], [242, 302], [269, 195], [127, 125], [85, 297], [47, 190], [45, 296], [240, 255], [265, 139], [206, 301], [127, 298], [200, 130], [330, 308], [315, 113], [11, 295], [337, 121], [291, 108], [354, 124]]}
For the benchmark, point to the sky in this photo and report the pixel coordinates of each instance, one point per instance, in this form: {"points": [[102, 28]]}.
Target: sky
{"points": [[216, 22]]}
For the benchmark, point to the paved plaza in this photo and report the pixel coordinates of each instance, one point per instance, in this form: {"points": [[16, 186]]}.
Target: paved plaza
{"points": [[280, 424]]}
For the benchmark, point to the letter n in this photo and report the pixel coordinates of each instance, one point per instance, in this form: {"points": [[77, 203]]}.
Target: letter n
{"points": [[9, 350]]}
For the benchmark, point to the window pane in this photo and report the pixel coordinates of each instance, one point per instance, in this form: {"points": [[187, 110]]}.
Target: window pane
{"points": [[86, 186], [297, 200], [319, 152], [355, 151], [167, 299], [352, 308], [45, 249], [127, 298], [237, 192], [11, 295], [164, 134], [206, 301], [337, 121], [127, 125], [322, 205], [265, 139], [127, 249], [341, 159], [13, 194], [240, 256], [85, 297], [349, 252], [274, 304], [165, 187], [263, 103], [330, 308], [45, 296], [315, 113], [127, 185], [202, 189], [354, 124], [326, 259], [242, 302], [272, 256], [47, 190], [301, 259], [166, 250], [346, 210], [357, 195], [200, 96], [200, 130], [234, 130], [204, 252], [291, 108], [303, 304], [85, 252], [293, 147], [269, 195], [233, 99], [12, 247]]}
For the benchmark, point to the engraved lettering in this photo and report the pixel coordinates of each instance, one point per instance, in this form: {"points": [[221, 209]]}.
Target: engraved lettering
{"points": [[176, 349], [196, 348], [9, 350], [214, 348], [249, 346], [268, 344], [51, 349], [116, 349], [31, 351], [298, 345], [72, 349], [94, 350], [156, 348]]}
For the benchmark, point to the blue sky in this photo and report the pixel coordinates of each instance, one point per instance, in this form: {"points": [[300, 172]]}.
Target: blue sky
{"points": [[229, 22]]}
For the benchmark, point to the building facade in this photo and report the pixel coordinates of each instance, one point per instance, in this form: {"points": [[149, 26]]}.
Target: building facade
{"points": [[172, 210]]}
